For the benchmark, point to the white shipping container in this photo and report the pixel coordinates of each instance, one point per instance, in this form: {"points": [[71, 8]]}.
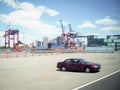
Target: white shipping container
{"points": [[105, 40], [113, 37], [109, 40], [111, 44], [116, 40]]}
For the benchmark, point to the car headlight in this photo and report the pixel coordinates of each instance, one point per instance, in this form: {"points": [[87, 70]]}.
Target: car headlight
{"points": [[95, 66]]}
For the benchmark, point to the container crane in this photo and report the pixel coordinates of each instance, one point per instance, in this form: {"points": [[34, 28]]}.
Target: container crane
{"points": [[11, 35], [63, 29], [71, 35], [66, 37], [70, 28], [63, 33]]}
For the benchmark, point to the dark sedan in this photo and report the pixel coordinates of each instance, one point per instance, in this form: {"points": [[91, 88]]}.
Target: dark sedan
{"points": [[78, 64]]}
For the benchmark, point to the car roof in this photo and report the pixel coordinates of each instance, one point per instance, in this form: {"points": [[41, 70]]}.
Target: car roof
{"points": [[75, 58]]}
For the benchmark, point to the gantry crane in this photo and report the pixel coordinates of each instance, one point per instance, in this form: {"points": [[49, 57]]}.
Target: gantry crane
{"points": [[66, 37], [11, 36], [63, 33], [69, 38]]}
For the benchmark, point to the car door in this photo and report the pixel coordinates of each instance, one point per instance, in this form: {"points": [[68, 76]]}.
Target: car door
{"points": [[76, 65], [72, 65], [69, 64]]}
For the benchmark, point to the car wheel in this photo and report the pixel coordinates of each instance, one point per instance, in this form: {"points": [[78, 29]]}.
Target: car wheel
{"points": [[63, 68], [87, 70]]}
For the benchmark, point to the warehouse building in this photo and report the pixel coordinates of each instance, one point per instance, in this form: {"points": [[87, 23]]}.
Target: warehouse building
{"points": [[113, 41], [94, 41]]}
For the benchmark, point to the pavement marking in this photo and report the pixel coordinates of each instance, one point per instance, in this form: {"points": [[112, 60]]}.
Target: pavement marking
{"points": [[96, 80]]}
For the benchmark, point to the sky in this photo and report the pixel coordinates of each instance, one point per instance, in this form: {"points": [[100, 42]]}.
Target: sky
{"points": [[36, 19]]}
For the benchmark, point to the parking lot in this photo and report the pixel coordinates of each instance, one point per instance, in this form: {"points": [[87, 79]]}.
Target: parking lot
{"points": [[40, 73]]}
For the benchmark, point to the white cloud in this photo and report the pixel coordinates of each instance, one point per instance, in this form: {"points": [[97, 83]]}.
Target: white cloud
{"points": [[87, 24], [26, 6], [29, 16], [51, 12], [11, 3], [106, 21], [40, 9], [110, 28]]}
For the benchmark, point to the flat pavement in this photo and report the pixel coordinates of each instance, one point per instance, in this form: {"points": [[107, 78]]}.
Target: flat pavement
{"points": [[40, 72], [109, 83]]}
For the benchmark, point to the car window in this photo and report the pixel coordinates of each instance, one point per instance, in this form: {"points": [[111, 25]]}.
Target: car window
{"points": [[83, 61], [76, 61], [68, 61]]}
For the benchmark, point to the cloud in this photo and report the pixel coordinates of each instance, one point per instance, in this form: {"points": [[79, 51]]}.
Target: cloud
{"points": [[51, 12], [106, 21], [11, 3], [29, 16], [30, 7], [87, 24], [110, 28]]}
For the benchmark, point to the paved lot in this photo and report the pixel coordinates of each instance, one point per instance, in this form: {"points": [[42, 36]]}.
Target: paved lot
{"points": [[40, 72], [109, 83]]}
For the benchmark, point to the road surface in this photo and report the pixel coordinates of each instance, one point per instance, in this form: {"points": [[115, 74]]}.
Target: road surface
{"points": [[111, 82], [40, 72]]}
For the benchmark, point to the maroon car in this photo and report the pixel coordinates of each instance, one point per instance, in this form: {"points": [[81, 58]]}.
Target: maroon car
{"points": [[78, 64]]}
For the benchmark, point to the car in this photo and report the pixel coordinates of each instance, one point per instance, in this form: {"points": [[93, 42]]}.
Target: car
{"points": [[78, 64]]}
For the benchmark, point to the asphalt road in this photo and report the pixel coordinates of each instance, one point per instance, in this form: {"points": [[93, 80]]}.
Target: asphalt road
{"points": [[109, 83], [40, 72]]}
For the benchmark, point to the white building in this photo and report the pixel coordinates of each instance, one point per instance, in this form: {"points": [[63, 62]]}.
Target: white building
{"points": [[45, 42]]}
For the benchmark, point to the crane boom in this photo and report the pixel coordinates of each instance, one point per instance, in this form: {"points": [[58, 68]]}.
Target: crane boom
{"points": [[62, 26], [70, 28]]}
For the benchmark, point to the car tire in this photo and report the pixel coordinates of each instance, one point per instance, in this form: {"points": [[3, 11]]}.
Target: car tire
{"points": [[87, 70], [63, 68]]}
